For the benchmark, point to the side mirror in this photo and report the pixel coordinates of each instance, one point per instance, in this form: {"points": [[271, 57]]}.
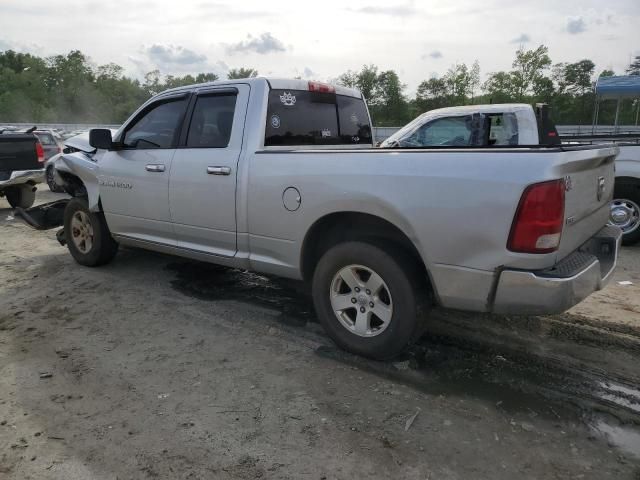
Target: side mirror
{"points": [[100, 138]]}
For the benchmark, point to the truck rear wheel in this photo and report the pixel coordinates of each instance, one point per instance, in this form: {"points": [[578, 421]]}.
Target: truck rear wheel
{"points": [[22, 196], [369, 299], [87, 235], [625, 210]]}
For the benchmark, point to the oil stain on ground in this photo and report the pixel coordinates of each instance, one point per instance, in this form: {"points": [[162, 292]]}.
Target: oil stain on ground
{"points": [[217, 283]]}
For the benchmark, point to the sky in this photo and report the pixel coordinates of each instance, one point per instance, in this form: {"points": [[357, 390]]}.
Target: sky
{"points": [[321, 39]]}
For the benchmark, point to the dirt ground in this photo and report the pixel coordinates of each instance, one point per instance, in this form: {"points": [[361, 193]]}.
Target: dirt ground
{"points": [[158, 367]]}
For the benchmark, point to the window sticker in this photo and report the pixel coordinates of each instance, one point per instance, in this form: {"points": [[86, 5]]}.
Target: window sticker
{"points": [[275, 121], [326, 133], [287, 99], [354, 118]]}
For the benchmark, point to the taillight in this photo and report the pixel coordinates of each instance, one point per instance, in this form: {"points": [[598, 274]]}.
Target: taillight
{"points": [[537, 226], [40, 152], [321, 87]]}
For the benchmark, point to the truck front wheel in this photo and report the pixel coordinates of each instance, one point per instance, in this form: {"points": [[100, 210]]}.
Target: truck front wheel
{"points": [[21, 196], [87, 234], [369, 299], [625, 210]]}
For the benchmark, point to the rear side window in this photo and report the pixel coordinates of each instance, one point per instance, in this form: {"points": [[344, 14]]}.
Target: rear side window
{"points": [[503, 129], [212, 121], [157, 127], [298, 117], [354, 120]]}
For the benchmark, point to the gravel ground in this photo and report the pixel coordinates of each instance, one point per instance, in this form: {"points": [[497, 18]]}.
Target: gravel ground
{"points": [[157, 367]]}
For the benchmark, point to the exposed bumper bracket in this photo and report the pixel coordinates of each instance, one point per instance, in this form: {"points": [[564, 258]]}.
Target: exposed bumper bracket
{"points": [[45, 216], [556, 289]]}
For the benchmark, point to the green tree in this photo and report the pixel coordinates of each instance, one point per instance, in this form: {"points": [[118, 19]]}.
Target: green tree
{"points": [[366, 80], [500, 87], [431, 94], [474, 79], [634, 66], [206, 77], [528, 69], [574, 78], [152, 82], [236, 73], [458, 80]]}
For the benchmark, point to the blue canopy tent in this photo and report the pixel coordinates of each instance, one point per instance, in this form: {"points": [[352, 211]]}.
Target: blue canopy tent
{"points": [[616, 88]]}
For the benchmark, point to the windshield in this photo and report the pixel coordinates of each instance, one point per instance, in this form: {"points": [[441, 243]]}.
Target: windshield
{"points": [[408, 128]]}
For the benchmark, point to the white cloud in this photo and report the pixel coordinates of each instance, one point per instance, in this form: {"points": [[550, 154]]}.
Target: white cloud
{"points": [[265, 43], [576, 25], [524, 38], [167, 55]]}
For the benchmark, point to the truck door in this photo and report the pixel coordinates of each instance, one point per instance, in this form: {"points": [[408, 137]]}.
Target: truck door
{"points": [[202, 184], [134, 177]]}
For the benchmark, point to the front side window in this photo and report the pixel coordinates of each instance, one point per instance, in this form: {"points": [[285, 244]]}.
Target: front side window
{"points": [[158, 127], [212, 121], [449, 131]]}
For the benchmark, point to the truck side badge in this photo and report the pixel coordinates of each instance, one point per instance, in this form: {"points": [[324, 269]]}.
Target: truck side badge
{"points": [[287, 99]]}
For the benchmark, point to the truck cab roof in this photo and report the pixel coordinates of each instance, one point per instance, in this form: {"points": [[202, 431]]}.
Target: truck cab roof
{"points": [[469, 109]]}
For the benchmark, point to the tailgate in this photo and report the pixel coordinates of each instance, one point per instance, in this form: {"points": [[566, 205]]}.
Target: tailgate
{"points": [[589, 175], [17, 152]]}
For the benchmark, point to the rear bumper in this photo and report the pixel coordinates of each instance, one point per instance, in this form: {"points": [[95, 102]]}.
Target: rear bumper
{"points": [[556, 289], [23, 176]]}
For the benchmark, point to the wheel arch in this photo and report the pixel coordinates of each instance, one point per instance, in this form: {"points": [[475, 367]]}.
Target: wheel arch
{"points": [[79, 178], [337, 227]]}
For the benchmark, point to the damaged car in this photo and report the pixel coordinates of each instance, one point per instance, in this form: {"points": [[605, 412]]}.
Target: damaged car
{"points": [[280, 176]]}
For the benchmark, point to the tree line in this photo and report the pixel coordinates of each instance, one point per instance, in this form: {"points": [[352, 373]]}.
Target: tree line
{"points": [[70, 88]]}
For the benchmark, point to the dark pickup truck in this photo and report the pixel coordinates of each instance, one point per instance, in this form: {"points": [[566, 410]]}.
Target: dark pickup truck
{"points": [[21, 168]]}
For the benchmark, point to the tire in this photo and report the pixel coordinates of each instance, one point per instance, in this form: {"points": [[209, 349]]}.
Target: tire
{"points": [[626, 198], [404, 290], [22, 196], [53, 186], [87, 235]]}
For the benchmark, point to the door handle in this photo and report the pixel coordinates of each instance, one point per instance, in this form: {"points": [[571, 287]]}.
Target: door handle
{"points": [[219, 170], [155, 167]]}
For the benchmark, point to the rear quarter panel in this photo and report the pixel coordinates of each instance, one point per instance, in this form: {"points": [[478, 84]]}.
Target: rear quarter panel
{"points": [[457, 206]]}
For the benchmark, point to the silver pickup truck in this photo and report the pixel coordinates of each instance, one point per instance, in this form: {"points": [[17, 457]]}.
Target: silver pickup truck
{"points": [[281, 177]]}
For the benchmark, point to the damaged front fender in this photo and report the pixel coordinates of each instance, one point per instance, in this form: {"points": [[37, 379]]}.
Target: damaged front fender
{"points": [[78, 170]]}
